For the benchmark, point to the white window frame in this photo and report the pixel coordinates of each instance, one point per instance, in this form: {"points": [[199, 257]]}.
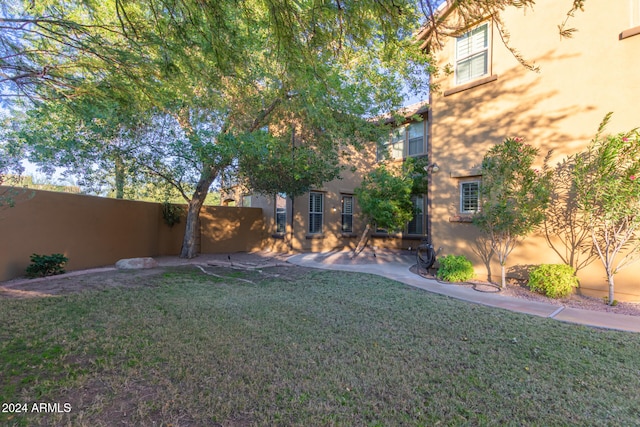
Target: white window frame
{"points": [[397, 144], [316, 212], [422, 136], [463, 195], [346, 220], [383, 149], [418, 201], [473, 53]]}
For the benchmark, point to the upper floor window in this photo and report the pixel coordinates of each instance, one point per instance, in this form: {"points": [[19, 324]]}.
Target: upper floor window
{"points": [[393, 145], [403, 141], [469, 196], [416, 139], [316, 210], [397, 142], [472, 54]]}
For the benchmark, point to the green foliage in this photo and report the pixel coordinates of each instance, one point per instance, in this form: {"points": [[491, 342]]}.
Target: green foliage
{"points": [[455, 268], [566, 228], [171, 213], [271, 165], [553, 280], [385, 197], [181, 91], [513, 196], [607, 183], [46, 265]]}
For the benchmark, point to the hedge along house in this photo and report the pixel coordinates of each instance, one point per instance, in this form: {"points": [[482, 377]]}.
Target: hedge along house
{"points": [[328, 217], [489, 96]]}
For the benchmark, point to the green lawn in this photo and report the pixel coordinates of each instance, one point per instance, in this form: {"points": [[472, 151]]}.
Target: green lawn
{"points": [[312, 348]]}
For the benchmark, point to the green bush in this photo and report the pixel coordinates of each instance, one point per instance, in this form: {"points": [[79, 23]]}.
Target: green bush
{"points": [[171, 213], [553, 280], [455, 268], [46, 265]]}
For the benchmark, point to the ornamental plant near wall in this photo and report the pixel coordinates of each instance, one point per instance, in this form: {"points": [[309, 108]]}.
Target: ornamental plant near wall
{"points": [[455, 268], [607, 183], [553, 280], [513, 196], [171, 213], [46, 265]]}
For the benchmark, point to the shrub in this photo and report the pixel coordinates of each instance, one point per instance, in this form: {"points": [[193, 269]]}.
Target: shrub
{"points": [[455, 268], [553, 280], [46, 265], [171, 213]]}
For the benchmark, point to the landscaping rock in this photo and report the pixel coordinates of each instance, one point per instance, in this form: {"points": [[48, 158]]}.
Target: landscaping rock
{"points": [[136, 263]]}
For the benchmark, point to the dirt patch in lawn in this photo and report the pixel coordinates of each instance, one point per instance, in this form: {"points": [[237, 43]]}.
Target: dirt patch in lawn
{"points": [[74, 283], [109, 278]]}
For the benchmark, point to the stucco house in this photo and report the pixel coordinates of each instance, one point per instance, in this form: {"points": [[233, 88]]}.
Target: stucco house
{"points": [[327, 218], [489, 96]]}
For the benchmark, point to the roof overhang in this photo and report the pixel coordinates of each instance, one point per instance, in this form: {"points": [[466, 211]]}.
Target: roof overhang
{"points": [[439, 16]]}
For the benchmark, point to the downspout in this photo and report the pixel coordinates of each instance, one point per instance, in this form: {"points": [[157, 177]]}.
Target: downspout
{"points": [[429, 176]]}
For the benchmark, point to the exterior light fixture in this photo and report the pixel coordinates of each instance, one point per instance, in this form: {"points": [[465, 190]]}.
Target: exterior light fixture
{"points": [[433, 167]]}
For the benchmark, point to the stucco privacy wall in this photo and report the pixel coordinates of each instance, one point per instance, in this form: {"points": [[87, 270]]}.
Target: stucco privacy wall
{"points": [[95, 231], [580, 80]]}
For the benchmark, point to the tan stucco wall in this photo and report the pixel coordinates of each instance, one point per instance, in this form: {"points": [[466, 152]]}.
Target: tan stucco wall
{"points": [[96, 231], [357, 163], [559, 109]]}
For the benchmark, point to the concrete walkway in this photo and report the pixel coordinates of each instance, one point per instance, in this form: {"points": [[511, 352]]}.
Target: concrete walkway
{"points": [[396, 266]]}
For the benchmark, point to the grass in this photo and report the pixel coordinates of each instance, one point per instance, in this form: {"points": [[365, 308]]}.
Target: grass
{"points": [[305, 348]]}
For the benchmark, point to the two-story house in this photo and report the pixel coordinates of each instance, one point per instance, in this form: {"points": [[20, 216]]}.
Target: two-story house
{"points": [[328, 218], [489, 95]]}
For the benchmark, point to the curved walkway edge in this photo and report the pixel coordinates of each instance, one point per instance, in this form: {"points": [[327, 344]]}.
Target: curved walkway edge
{"points": [[398, 269]]}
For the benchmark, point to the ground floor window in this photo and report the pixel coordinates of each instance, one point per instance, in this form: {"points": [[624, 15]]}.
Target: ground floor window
{"points": [[416, 225], [281, 213], [469, 196], [347, 214], [281, 220], [316, 209]]}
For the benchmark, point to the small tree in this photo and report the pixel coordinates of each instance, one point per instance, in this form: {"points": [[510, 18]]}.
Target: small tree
{"points": [[565, 225], [385, 200], [513, 196], [607, 181]]}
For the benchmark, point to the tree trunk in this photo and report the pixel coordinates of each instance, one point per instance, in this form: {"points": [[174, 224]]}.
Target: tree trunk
{"points": [[119, 170], [190, 241], [363, 241], [610, 280], [503, 276]]}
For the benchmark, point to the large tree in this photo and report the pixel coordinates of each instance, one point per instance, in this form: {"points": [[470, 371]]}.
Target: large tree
{"points": [[220, 71], [204, 79]]}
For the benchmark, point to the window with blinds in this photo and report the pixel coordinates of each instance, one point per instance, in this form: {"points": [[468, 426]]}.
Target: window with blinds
{"points": [[472, 54], [315, 212], [347, 214], [416, 225], [281, 213], [416, 139], [469, 197]]}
